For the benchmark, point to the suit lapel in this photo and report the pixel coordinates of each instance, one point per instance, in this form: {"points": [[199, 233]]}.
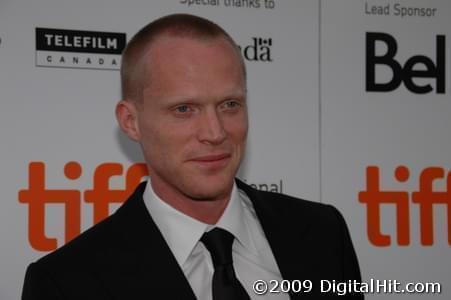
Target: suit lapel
{"points": [[144, 265], [283, 234]]}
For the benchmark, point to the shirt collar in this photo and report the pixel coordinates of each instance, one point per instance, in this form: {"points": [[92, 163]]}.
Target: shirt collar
{"points": [[183, 232], [233, 220]]}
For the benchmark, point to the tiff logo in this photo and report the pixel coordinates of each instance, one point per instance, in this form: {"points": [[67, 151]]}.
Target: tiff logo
{"points": [[99, 196], [426, 197]]}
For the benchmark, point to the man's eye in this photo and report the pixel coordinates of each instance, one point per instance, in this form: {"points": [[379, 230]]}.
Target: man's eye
{"points": [[231, 104], [182, 109]]}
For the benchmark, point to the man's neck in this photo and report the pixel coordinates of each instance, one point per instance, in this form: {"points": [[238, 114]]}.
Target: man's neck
{"points": [[207, 210]]}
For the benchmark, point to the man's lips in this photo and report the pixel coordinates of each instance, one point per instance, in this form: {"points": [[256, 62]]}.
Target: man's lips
{"points": [[211, 158]]}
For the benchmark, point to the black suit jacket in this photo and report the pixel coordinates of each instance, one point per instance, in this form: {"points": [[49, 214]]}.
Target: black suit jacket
{"points": [[126, 257]]}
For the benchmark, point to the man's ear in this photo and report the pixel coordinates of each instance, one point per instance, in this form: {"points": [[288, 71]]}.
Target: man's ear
{"points": [[126, 115]]}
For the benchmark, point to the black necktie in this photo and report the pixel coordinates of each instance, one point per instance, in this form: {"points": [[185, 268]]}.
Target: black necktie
{"points": [[225, 284]]}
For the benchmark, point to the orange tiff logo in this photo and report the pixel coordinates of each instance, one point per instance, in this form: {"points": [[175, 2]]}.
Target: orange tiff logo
{"points": [[100, 196], [425, 197]]}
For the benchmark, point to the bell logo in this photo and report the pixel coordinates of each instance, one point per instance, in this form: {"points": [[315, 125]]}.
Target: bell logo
{"points": [[100, 196], [418, 66], [425, 198]]}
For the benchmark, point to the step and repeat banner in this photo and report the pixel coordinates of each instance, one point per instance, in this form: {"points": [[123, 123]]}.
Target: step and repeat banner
{"points": [[349, 104], [386, 136]]}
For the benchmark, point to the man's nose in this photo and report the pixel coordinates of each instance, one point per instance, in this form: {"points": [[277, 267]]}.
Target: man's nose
{"points": [[211, 129]]}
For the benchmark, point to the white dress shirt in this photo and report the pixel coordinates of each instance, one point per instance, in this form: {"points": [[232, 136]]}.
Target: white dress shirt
{"points": [[252, 255]]}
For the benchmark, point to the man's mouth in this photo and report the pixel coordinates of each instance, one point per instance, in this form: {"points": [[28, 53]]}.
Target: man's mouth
{"points": [[212, 160]]}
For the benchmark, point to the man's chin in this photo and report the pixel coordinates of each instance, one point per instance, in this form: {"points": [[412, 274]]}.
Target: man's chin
{"points": [[210, 192]]}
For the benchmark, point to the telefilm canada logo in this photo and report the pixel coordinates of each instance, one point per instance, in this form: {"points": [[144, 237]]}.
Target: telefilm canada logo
{"points": [[62, 48], [258, 50], [420, 74]]}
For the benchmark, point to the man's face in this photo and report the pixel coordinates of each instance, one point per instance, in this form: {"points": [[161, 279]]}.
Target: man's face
{"points": [[192, 120]]}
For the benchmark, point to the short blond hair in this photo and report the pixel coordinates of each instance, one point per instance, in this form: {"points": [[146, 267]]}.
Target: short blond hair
{"points": [[175, 25]]}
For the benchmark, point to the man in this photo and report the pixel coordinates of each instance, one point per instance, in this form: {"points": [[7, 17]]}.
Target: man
{"points": [[193, 230]]}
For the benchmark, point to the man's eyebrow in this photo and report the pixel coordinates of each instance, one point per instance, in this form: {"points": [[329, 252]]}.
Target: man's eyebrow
{"points": [[194, 97]]}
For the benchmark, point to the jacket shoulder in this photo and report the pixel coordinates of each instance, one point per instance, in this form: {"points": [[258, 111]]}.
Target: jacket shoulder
{"points": [[96, 244], [286, 205], [83, 249]]}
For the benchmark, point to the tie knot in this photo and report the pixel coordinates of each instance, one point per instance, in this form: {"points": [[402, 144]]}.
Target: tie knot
{"points": [[219, 243]]}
